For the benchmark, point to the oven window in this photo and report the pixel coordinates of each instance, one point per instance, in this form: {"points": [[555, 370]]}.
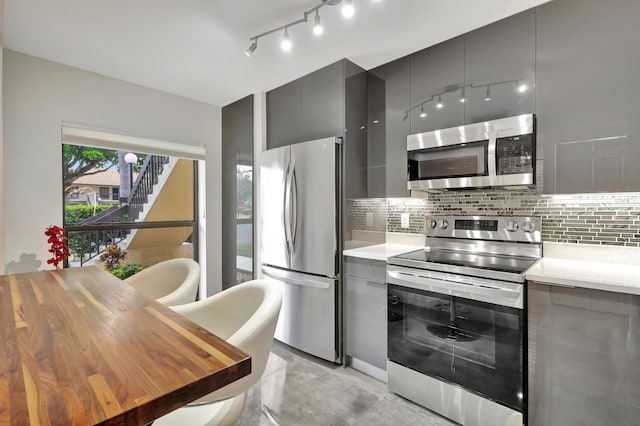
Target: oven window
{"points": [[476, 345], [465, 160]]}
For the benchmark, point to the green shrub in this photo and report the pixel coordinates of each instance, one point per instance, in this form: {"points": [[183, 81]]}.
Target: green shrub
{"points": [[78, 212], [126, 270]]}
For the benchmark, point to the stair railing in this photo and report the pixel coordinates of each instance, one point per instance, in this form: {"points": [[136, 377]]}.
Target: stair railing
{"points": [[151, 169]]}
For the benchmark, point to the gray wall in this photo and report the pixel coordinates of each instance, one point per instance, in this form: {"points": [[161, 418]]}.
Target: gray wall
{"points": [[39, 95]]}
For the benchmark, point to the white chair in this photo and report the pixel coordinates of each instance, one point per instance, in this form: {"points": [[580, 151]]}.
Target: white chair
{"points": [[245, 316], [172, 282]]}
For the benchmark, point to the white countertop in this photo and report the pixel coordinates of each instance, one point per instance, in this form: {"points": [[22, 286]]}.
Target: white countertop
{"points": [[379, 251], [615, 269]]}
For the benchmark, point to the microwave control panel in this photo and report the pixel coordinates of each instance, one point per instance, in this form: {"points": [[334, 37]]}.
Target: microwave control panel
{"points": [[515, 155]]}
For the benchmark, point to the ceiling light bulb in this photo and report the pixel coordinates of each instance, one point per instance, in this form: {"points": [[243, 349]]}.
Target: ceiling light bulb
{"points": [[347, 10], [286, 43], [487, 96], [439, 105], [522, 88], [251, 48], [317, 26], [423, 114], [463, 99]]}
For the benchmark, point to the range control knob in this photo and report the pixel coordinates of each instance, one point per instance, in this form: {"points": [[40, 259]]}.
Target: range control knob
{"points": [[528, 227], [443, 224], [512, 226], [431, 223]]}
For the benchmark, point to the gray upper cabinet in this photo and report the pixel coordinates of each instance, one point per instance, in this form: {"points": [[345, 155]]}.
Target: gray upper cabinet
{"points": [[284, 115], [437, 75], [499, 67], [588, 96], [388, 128], [311, 107]]}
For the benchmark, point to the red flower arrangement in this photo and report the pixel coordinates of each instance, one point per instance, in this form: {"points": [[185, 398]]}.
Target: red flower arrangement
{"points": [[58, 243]]}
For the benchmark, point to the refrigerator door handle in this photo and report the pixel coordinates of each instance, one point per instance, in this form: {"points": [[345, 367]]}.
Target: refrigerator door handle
{"points": [[294, 204], [289, 206], [282, 275], [285, 211]]}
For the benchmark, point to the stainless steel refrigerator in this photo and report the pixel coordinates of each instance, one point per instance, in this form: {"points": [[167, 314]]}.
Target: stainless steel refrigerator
{"points": [[300, 192]]}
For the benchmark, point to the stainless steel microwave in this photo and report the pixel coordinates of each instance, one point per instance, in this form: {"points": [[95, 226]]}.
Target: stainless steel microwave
{"points": [[492, 153]]}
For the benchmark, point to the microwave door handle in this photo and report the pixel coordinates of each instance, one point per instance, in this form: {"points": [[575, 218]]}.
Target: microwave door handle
{"points": [[492, 158]]}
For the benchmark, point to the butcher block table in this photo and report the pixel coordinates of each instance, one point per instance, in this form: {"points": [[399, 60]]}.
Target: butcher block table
{"points": [[79, 347]]}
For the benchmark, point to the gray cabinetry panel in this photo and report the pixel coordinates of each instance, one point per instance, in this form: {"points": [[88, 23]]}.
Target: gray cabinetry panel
{"points": [[588, 97], [365, 311], [437, 74], [284, 115], [237, 149], [309, 108], [389, 125], [500, 58], [323, 113], [584, 347]]}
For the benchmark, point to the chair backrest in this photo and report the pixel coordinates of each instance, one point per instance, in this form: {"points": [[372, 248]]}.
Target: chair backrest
{"points": [[244, 315], [172, 282]]}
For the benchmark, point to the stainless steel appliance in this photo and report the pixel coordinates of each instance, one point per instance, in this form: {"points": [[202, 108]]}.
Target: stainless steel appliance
{"points": [[300, 193], [456, 318], [492, 153]]}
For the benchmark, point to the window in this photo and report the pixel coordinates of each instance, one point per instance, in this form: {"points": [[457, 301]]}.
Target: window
{"points": [[155, 220], [104, 193]]}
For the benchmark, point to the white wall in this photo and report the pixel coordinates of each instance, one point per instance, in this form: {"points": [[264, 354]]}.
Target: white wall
{"points": [[39, 95]]}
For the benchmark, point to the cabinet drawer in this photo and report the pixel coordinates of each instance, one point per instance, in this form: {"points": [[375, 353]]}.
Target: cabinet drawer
{"points": [[375, 270]]}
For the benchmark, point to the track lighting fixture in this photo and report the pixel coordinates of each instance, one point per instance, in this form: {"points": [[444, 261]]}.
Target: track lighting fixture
{"points": [[487, 96], [317, 26], [463, 99], [522, 88], [347, 11], [285, 44], [423, 114], [252, 48], [439, 105]]}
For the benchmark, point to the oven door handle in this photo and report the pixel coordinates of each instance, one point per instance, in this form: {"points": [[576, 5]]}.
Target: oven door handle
{"points": [[481, 292]]}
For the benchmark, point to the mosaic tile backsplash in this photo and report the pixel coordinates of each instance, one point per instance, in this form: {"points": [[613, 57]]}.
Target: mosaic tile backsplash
{"points": [[604, 219]]}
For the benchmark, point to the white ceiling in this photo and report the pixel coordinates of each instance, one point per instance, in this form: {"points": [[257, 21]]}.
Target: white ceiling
{"points": [[195, 48]]}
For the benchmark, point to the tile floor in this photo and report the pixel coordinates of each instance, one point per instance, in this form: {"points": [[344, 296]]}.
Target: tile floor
{"points": [[297, 389]]}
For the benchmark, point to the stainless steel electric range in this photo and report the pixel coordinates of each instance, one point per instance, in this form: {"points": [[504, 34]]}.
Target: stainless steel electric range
{"points": [[457, 323]]}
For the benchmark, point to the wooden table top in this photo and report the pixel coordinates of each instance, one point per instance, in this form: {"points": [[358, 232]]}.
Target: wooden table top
{"points": [[79, 346]]}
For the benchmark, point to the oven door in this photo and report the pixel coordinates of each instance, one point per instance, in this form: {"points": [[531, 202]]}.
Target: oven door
{"points": [[473, 344]]}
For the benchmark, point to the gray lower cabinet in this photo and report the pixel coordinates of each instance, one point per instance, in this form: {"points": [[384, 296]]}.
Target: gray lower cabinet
{"points": [[584, 349], [588, 96], [365, 311]]}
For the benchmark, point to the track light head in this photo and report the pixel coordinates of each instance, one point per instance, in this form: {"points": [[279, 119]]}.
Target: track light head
{"points": [[487, 96], [252, 48], [317, 26], [285, 44], [347, 9], [439, 105]]}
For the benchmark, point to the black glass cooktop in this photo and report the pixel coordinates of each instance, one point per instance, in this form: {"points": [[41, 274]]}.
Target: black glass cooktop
{"points": [[493, 262]]}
